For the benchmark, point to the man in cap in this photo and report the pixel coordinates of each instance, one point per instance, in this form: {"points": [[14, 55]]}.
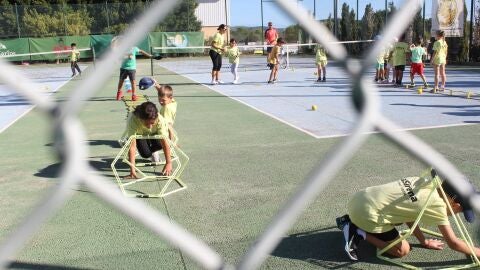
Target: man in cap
{"points": [[271, 36], [374, 212]]}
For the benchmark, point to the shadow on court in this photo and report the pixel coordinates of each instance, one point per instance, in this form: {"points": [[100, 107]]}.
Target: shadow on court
{"points": [[324, 248], [40, 266]]}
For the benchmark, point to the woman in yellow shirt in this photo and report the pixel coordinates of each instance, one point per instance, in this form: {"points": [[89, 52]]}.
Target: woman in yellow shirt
{"points": [[216, 53], [439, 57]]}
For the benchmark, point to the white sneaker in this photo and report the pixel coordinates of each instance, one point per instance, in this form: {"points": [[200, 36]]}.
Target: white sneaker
{"points": [[214, 83], [220, 82], [155, 157], [235, 81]]}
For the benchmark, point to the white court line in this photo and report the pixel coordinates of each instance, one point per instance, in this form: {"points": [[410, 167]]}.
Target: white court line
{"points": [[248, 105], [303, 130], [403, 129], [29, 109]]}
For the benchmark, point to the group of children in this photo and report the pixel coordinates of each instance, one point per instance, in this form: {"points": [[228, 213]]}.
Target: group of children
{"points": [[148, 120], [396, 58], [273, 60]]}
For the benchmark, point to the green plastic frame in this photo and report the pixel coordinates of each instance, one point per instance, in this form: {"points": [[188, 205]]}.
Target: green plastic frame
{"points": [[179, 160], [408, 232]]}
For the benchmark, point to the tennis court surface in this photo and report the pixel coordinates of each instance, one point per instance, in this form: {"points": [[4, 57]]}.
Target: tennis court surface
{"points": [[244, 165]]}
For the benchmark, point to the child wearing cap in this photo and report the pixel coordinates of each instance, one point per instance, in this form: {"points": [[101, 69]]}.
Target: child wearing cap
{"points": [[374, 212]]}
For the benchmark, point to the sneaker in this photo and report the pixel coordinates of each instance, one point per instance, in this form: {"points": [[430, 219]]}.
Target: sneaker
{"points": [[214, 83], [351, 240], [119, 95], [319, 80], [235, 82], [426, 85], [434, 90], [134, 98], [342, 221], [270, 82], [73, 75], [220, 82], [412, 84], [441, 89], [324, 80], [155, 157]]}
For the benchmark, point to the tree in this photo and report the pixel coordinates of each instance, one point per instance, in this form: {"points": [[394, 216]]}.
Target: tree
{"points": [[368, 23], [291, 33], [345, 23], [8, 19], [182, 18]]}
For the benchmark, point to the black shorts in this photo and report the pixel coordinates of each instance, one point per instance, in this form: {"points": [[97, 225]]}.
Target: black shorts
{"points": [[216, 60], [130, 73], [401, 67], [269, 49], [146, 147], [387, 236], [270, 66]]}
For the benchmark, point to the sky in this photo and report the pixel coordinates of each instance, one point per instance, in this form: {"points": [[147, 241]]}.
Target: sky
{"points": [[248, 12]]}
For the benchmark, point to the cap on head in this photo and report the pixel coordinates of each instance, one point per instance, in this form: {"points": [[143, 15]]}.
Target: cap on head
{"points": [[222, 27], [452, 193]]}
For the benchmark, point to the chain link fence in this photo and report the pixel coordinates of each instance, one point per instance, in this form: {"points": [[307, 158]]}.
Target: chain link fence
{"points": [[71, 147]]}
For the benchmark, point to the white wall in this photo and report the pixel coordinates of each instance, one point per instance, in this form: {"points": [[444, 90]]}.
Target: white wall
{"points": [[212, 12]]}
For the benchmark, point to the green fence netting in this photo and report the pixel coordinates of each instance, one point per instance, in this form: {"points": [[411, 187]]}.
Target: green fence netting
{"points": [[15, 46]]}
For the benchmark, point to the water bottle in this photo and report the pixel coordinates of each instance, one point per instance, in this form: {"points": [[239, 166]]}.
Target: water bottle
{"points": [[127, 85]]}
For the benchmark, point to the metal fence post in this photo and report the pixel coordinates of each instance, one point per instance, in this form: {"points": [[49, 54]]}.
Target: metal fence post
{"points": [[18, 21]]}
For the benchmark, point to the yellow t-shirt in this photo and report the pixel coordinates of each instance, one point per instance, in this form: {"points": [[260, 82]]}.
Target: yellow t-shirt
{"points": [[381, 58], [440, 47], [272, 57], [233, 54], [400, 50], [74, 55], [321, 54], [378, 209], [135, 126], [218, 40], [169, 112]]}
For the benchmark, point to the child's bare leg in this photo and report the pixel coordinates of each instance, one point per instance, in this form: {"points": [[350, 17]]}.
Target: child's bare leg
{"points": [[411, 77], [443, 75], [423, 78], [319, 71], [435, 80], [324, 69], [271, 75], [275, 72], [399, 250], [213, 75]]}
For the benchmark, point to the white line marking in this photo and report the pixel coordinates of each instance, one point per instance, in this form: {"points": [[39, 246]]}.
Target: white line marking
{"points": [[306, 131], [33, 106]]}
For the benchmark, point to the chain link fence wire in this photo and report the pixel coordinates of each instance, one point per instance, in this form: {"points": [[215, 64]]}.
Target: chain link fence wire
{"points": [[69, 137]]}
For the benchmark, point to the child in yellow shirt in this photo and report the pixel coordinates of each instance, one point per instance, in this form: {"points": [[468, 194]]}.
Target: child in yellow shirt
{"points": [[321, 61], [274, 61], [233, 54]]}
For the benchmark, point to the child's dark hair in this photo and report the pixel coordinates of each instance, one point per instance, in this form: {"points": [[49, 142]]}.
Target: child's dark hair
{"points": [[440, 33], [419, 41], [146, 111], [233, 40], [165, 91], [73, 44], [280, 40]]}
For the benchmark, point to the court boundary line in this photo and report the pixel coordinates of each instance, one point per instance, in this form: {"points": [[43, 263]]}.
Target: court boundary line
{"points": [[403, 129], [244, 103], [33, 106], [301, 129]]}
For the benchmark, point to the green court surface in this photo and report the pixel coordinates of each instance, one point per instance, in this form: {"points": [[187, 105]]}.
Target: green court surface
{"points": [[243, 167]]}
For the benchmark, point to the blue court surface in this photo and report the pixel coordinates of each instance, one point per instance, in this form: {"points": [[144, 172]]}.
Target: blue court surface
{"points": [[48, 79], [290, 100]]}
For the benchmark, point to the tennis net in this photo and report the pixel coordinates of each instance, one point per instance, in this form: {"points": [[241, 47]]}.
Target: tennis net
{"points": [[254, 56], [58, 56]]}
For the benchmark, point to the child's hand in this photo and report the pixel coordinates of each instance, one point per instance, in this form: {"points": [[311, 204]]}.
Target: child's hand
{"points": [[433, 244], [167, 169]]}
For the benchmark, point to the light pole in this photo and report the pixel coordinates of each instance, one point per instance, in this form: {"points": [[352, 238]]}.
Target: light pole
{"points": [[472, 11]]}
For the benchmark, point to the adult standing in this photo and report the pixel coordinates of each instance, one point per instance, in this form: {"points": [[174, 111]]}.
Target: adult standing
{"points": [[271, 36], [216, 50]]}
